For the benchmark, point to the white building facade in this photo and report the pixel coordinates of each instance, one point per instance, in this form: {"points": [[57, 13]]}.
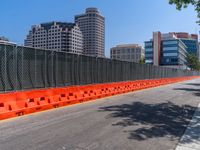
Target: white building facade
{"points": [[59, 36]]}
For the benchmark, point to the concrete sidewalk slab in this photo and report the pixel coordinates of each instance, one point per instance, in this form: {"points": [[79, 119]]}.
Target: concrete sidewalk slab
{"points": [[191, 138]]}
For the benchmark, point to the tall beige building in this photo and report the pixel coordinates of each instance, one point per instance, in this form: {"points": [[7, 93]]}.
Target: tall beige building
{"points": [[92, 25], [127, 52]]}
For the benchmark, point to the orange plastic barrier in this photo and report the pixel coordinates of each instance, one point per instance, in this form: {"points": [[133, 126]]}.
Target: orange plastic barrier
{"points": [[27, 102]]}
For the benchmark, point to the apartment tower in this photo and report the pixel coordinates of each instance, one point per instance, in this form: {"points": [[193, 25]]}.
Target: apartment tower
{"points": [[92, 25], [59, 36]]}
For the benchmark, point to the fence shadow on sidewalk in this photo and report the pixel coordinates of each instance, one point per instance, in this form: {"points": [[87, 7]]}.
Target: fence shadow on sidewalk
{"points": [[145, 121]]}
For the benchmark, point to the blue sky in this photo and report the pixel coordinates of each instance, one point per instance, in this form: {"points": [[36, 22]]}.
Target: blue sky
{"points": [[127, 21]]}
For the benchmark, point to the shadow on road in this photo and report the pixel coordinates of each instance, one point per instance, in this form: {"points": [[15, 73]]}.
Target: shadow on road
{"points": [[152, 120], [196, 91], [195, 84]]}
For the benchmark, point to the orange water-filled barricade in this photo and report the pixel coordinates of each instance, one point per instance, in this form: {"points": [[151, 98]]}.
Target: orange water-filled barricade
{"points": [[26, 102]]}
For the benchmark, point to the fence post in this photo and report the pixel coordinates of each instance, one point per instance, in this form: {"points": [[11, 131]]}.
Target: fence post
{"points": [[16, 72], [5, 68]]}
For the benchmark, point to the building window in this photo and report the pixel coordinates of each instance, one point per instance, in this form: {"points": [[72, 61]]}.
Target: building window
{"points": [[170, 42], [148, 49], [149, 55], [149, 60], [148, 44], [170, 48], [170, 54]]}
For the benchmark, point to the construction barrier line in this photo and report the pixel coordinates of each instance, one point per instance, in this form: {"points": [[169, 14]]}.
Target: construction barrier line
{"points": [[27, 102]]}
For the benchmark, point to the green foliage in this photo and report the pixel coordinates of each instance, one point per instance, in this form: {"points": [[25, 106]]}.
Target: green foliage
{"points": [[142, 60], [184, 3], [193, 62]]}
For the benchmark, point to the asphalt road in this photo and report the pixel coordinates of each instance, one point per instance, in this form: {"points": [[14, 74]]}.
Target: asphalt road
{"points": [[152, 119]]}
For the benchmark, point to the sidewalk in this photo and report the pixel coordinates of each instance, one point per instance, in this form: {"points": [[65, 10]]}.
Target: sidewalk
{"points": [[191, 138]]}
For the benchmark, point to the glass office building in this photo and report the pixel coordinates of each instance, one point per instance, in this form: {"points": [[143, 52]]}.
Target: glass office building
{"points": [[171, 49], [174, 52], [149, 52], [192, 45]]}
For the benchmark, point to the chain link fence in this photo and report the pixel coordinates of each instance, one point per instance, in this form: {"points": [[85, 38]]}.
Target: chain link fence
{"points": [[24, 68]]}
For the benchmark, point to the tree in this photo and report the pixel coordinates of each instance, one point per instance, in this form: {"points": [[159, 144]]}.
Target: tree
{"points": [[184, 3], [142, 60], [193, 62]]}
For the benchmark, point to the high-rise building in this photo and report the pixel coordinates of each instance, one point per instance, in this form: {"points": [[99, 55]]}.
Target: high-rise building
{"points": [[92, 25], [59, 36], [4, 40], [171, 49], [127, 52]]}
